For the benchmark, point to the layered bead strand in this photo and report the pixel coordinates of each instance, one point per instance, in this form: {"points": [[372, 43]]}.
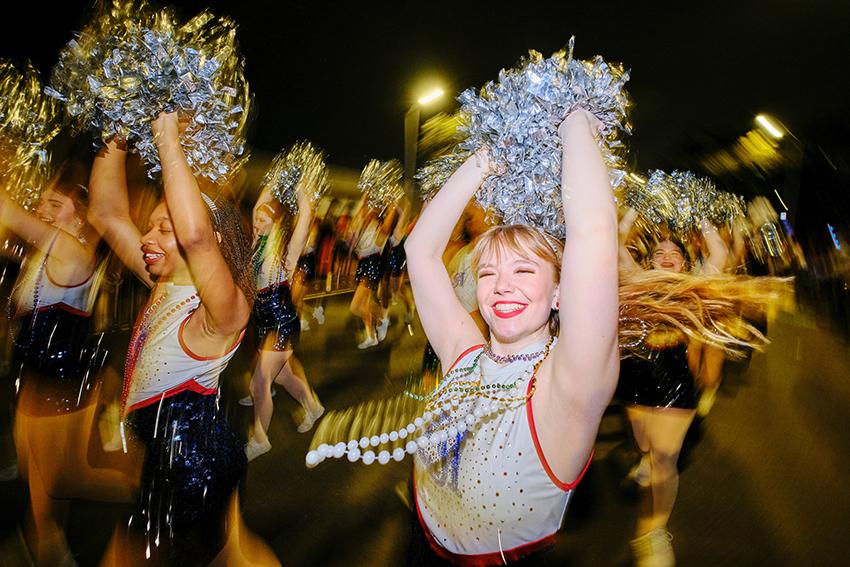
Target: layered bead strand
{"points": [[458, 405]]}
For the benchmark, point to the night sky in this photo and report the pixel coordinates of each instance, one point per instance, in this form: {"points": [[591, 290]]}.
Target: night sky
{"points": [[343, 74]]}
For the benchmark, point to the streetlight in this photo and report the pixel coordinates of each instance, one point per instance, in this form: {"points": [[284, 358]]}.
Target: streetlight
{"points": [[411, 134], [433, 95], [792, 154], [769, 127]]}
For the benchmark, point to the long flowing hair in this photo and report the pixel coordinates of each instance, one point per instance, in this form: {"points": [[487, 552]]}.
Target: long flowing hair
{"points": [[713, 309]]}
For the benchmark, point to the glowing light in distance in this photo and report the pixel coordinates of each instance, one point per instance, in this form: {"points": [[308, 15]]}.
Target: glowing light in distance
{"points": [[432, 96], [769, 126]]}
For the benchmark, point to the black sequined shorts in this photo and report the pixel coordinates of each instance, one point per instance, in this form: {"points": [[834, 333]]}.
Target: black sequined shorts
{"points": [[193, 463], [306, 268], [658, 379], [397, 260], [370, 270], [58, 362], [275, 314]]}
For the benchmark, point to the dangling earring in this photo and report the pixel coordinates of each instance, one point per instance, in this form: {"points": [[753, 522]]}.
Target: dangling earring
{"points": [[80, 236]]}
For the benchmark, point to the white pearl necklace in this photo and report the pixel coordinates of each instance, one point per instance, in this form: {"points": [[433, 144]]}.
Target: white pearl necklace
{"points": [[484, 405], [362, 449]]}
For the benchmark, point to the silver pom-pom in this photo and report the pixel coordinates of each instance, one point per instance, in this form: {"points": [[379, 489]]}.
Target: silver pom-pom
{"points": [[728, 209], [28, 122], [381, 182], [434, 174], [301, 163], [131, 63], [654, 199], [517, 118], [682, 200]]}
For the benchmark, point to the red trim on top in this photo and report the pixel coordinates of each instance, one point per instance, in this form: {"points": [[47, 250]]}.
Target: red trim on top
{"points": [[57, 284], [565, 486], [480, 559], [196, 356], [464, 353], [61, 305], [190, 385]]}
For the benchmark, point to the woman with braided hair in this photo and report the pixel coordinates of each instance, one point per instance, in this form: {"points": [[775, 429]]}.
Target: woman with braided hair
{"points": [[195, 258]]}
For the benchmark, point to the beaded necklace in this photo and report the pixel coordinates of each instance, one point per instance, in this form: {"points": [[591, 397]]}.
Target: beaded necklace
{"points": [[441, 422], [269, 244], [36, 291], [146, 328], [508, 358]]}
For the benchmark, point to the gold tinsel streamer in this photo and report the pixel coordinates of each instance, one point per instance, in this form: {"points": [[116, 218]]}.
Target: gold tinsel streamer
{"points": [[28, 122]]}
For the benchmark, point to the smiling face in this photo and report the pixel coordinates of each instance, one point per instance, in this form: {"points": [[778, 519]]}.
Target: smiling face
{"points": [[517, 291], [262, 222], [58, 210], [160, 249], [668, 256]]}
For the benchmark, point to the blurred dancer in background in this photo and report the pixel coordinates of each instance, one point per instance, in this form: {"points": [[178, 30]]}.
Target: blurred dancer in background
{"points": [[660, 387], [371, 231], [397, 262], [57, 362], [277, 247]]}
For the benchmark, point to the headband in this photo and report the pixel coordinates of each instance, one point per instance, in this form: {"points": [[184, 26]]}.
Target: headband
{"points": [[209, 202]]}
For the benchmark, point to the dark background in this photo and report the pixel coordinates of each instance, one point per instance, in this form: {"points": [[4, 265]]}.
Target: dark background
{"points": [[342, 74]]}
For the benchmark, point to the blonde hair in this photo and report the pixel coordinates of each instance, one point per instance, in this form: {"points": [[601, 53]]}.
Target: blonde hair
{"points": [[526, 241], [712, 309]]}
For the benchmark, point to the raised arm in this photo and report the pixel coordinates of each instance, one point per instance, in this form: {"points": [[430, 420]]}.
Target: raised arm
{"points": [[739, 247], [74, 257], [225, 307], [109, 209], [448, 326], [403, 210], [627, 223], [718, 253], [299, 233], [577, 381], [264, 197]]}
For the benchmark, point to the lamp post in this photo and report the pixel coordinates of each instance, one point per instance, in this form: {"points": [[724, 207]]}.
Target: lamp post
{"points": [[793, 161], [411, 135]]}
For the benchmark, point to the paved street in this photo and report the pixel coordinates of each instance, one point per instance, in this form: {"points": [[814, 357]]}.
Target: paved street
{"points": [[762, 477]]}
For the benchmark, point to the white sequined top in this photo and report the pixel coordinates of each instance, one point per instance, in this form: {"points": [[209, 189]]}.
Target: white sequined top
{"points": [[159, 364], [367, 244], [36, 290], [493, 493]]}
